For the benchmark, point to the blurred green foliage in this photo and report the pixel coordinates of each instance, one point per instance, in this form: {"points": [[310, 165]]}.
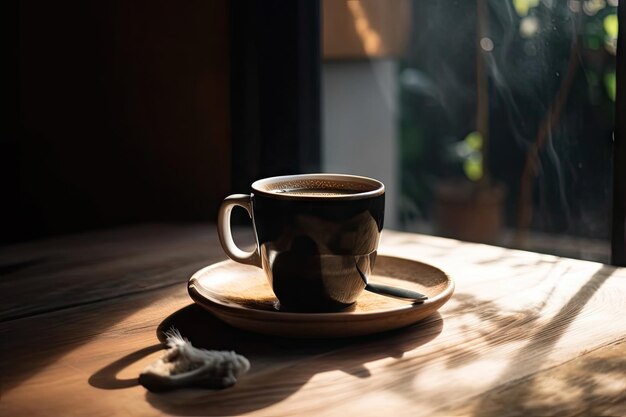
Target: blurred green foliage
{"points": [[532, 41]]}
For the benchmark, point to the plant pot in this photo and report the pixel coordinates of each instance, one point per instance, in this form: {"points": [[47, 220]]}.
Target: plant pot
{"points": [[469, 211]]}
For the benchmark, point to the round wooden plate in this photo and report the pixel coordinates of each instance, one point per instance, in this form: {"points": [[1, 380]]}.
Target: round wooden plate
{"points": [[240, 295]]}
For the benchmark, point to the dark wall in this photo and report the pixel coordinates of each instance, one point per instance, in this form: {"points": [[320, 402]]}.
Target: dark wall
{"points": [[275, 108], [123, 115]]}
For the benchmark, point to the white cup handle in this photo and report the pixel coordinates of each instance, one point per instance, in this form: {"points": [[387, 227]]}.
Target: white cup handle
{"points": [[225, 233]]}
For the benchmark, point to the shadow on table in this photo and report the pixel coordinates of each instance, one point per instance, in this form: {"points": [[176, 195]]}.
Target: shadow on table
{"points": [[106, 378], [81, 286], [535, 396], [280, 366]]}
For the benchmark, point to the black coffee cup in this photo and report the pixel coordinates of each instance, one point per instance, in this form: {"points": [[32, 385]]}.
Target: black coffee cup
{"points": [[312, 231]]}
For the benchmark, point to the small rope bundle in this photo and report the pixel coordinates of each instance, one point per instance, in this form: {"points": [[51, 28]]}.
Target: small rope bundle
{"points": [[183, 365]]}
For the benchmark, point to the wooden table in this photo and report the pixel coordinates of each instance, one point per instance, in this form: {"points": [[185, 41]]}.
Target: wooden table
{"points": [[524, 334]]}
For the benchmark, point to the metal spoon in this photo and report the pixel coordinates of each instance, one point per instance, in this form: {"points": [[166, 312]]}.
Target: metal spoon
{"points": [[394, 292]]}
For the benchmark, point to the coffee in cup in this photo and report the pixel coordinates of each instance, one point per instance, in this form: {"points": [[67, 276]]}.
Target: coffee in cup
{"points": [[312, 233]]}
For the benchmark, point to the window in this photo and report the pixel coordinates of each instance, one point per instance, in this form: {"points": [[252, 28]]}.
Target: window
{"points": [[490, 121]]}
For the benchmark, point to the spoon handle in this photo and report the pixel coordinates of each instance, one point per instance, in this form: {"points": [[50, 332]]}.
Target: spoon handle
{"points": [[395, 292]]}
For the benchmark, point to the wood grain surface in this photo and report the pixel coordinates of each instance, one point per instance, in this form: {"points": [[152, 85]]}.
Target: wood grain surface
{"points": [[524, 334]]}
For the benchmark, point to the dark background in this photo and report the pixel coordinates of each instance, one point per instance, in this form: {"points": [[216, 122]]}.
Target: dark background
{"points": [[123, 115], [147, 111], [125, 109]]}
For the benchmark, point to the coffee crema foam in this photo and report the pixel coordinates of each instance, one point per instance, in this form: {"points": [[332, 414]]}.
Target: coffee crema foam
{"points": [[317, 192], [314, 187]]}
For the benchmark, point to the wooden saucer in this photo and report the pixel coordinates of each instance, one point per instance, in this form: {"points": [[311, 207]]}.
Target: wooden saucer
{"points": [[240, 295]]}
